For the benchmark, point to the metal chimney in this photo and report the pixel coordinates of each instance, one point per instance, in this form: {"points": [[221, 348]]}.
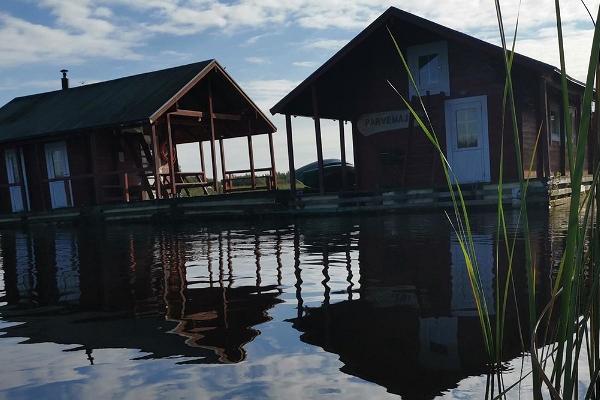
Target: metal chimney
{"points": [[64, 80]]}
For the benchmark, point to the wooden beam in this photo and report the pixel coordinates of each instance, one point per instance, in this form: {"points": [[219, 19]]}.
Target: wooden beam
{"points": [[212, 137], [202, 164], [187, 113], [343, 154], [290, 146], [251, 158], [315, 106], [272, 153], [228, 117], [171, 157], [157, 183], [356, 153], [223, 170]]}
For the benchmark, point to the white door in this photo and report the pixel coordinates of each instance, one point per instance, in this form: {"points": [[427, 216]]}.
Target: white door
{"points": [[57, 164], [15, 171], [467, 139]]}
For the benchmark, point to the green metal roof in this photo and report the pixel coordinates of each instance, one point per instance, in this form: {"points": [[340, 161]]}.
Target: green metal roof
{"points": [[119, 101]]}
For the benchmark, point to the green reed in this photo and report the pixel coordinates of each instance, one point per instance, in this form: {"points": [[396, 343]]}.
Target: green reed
{"points": [[570, 321]]}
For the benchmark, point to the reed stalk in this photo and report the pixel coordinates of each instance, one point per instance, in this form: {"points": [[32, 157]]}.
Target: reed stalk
{"points": [[574, 305]]}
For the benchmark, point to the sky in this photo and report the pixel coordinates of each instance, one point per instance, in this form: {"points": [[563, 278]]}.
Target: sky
{"points": [[268, 46]]}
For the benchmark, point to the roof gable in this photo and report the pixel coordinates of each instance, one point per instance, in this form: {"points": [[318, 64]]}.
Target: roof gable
{"points": [[116, 102], [285, 105]]}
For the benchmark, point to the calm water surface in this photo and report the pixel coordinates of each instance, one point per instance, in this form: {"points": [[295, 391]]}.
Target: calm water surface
{"points": [[369, 307]]}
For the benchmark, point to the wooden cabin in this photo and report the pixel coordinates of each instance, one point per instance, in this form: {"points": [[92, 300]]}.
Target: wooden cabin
{"points": [[461, 81], [115, 141]]}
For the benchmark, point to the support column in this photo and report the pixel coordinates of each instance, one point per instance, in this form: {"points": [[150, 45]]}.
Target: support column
{"points": [[223, 170], [202, 164], [171, 157], [251, 158], [343, 155], [212, 137], [157, 183], [272, 152], [290, 146], [318, 140]]}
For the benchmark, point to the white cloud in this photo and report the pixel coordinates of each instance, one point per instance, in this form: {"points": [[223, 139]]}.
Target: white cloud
{"points": [[325, 44], [305, 64], [257, 60], [23, 42], [268, 92]]}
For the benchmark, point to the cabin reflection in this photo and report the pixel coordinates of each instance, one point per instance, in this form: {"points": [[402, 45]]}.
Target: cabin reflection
{"points": [[129, 289], [412, 327]]}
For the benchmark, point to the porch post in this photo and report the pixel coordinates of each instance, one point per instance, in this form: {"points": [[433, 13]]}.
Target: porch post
{"points": [[356, 154], [212, 137], [343, 154], [272, 152], [318, 139], [290, 146], [223, 170], [171, 157], [251, 158], [202, 165], [157, 182]]}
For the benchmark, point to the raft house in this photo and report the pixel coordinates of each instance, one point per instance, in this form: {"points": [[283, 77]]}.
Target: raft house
{"points": [[108, 151], [100, 147], [461, 82]]}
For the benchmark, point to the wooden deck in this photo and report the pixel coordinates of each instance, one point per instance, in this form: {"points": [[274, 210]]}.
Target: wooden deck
{"points": [[266, 204]]}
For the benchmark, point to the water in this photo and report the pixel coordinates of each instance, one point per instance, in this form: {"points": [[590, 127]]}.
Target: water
{"points": [[365, 307]]}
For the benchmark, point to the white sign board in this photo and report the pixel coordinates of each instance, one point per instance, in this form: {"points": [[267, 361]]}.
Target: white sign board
{"points": [[369, 124]]}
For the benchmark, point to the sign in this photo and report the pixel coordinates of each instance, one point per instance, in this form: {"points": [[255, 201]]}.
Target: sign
{"points": [[369, 124]]}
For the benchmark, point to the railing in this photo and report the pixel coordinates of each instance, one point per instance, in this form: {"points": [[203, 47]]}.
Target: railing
{"points": [[183, 183], [124, 186], [230, 178]]}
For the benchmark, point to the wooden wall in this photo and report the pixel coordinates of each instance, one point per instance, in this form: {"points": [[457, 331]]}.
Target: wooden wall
{"points": [[107, 144], [361, 83], [405, 158]]}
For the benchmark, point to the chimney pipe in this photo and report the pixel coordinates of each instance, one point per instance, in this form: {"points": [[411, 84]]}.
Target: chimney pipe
{"points": [[64, 80]]}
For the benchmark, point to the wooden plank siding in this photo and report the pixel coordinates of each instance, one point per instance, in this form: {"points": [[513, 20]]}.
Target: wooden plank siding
{"points": [[384, 158]]}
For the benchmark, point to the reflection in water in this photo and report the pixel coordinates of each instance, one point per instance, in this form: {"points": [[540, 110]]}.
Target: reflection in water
{"points": [[387, 295]]}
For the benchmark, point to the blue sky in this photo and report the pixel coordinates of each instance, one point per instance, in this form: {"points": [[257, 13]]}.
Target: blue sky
{"points": [[268, 46]]}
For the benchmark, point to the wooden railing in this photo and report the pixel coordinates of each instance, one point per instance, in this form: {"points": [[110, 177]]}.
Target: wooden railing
{"points": [[124, 185], [183, 183], [270, 179]]}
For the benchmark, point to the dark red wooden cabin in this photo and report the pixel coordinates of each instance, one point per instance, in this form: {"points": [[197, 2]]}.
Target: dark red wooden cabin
{"points": [[461, 81], [115, 141]]}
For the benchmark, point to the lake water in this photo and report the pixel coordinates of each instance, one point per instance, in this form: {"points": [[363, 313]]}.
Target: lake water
{"points": [[364, 307]]}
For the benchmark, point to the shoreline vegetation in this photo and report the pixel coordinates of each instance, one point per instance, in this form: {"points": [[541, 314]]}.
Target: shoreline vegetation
{"points": [[561, 336]]}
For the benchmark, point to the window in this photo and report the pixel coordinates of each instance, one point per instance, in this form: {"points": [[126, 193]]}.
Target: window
{"points": [[554, 127], [467, 128], [428, 65]]}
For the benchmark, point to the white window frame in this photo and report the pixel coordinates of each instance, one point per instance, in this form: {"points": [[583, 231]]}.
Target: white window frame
{"points": [[413, 53]]}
